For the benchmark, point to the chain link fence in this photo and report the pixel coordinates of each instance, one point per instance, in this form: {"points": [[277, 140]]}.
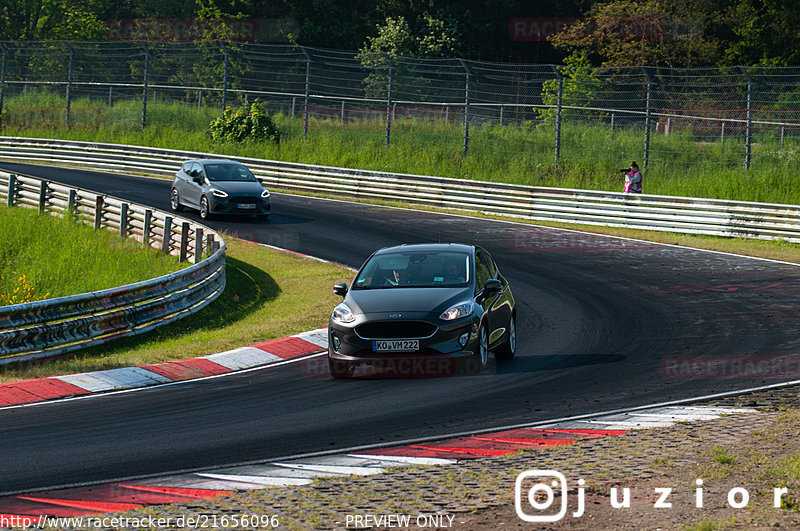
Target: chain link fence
{"points": [[733, 117]]}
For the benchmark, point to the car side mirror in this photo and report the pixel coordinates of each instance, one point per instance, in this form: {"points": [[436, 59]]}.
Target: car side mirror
{"points": [[340, 289], [492, 286]]}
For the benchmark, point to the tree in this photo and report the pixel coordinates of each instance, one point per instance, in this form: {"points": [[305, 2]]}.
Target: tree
{"points": [[394, 38], [434, 37], [338, 24], [24, 20], [578, 88], [766, 33], [647, 32]]}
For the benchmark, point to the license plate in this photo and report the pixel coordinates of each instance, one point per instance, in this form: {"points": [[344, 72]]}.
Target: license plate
{"points": [[246, 206], [396, 345]]}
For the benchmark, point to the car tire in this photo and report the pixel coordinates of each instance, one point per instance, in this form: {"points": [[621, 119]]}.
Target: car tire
{"points": [[175, 202], [204, 211], [263, 217], [482, 355], [341, 369], [507, 350]]}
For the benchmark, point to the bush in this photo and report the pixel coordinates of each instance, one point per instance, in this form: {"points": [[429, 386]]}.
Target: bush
{"points": [[243, 125]]}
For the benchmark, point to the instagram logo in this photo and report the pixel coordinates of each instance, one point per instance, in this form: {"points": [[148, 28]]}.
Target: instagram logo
{"points": [[536, 491]]}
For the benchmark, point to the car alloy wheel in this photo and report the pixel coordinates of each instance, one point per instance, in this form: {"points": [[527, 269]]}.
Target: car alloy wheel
{"points": [[204, 207], [509, 348], [483, 348], [175, 202]]}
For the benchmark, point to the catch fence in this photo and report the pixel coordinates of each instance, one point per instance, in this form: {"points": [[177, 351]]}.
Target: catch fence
{"points": [[709, 116]]}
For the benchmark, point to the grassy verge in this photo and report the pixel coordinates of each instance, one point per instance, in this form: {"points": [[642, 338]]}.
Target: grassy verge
{"points": [[269, 294], [45, 257]]}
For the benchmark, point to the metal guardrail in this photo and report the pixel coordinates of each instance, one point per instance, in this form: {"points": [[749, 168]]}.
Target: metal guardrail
{"points": [[52, 327], [716, 217]]}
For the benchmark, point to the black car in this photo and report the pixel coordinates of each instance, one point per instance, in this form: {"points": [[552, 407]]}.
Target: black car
{"points": [[219, 186], [417, 310]]}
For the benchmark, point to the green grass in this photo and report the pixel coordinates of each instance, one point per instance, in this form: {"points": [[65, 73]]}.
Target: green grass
{"points": [[685, 163], [723, 456], [57, 257], [710, 524], [270, 294]]}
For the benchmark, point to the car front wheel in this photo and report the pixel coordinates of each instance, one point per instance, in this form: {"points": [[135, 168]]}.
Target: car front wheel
{"points": [[482, 355], [507, 350], [204, 212], [174, 202]]}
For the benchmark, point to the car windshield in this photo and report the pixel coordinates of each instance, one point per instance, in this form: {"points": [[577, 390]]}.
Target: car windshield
{"points": [[415, 269], [228, 172]]}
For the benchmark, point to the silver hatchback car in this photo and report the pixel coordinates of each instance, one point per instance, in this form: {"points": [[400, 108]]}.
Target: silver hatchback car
{"points": [[219, 186]]}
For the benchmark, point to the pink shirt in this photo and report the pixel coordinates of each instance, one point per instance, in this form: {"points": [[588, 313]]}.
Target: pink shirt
{"points": [[633, 182]]}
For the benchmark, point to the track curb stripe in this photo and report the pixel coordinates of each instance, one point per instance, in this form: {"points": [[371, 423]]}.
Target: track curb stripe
{"points": [[187, 369], [90, 505], [288, 347], [26, 392], [199, 494]]}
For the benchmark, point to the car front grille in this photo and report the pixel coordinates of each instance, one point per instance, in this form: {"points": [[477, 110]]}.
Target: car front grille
{"points": [[395, 329], [245, 200]]}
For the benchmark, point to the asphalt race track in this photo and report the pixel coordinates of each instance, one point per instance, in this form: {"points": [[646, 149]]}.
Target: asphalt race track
{"points": [[604, 323]]}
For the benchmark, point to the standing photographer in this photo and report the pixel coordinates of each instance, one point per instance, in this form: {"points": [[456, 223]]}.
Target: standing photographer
{"points": [[633, 179]]}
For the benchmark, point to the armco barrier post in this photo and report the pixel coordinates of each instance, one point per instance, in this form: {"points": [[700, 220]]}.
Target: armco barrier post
{"points": [[198, 245], [71, 210], [98, 212], [123, 220], [148, 224], [184, 247], [210, 244], [12, 189], [167, 234], [42, 196]]}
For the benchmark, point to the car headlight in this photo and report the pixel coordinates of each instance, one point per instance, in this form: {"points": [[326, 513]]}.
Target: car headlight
{"points": [[342, 314], [458, 311], [219, 193], [265, 194]]}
